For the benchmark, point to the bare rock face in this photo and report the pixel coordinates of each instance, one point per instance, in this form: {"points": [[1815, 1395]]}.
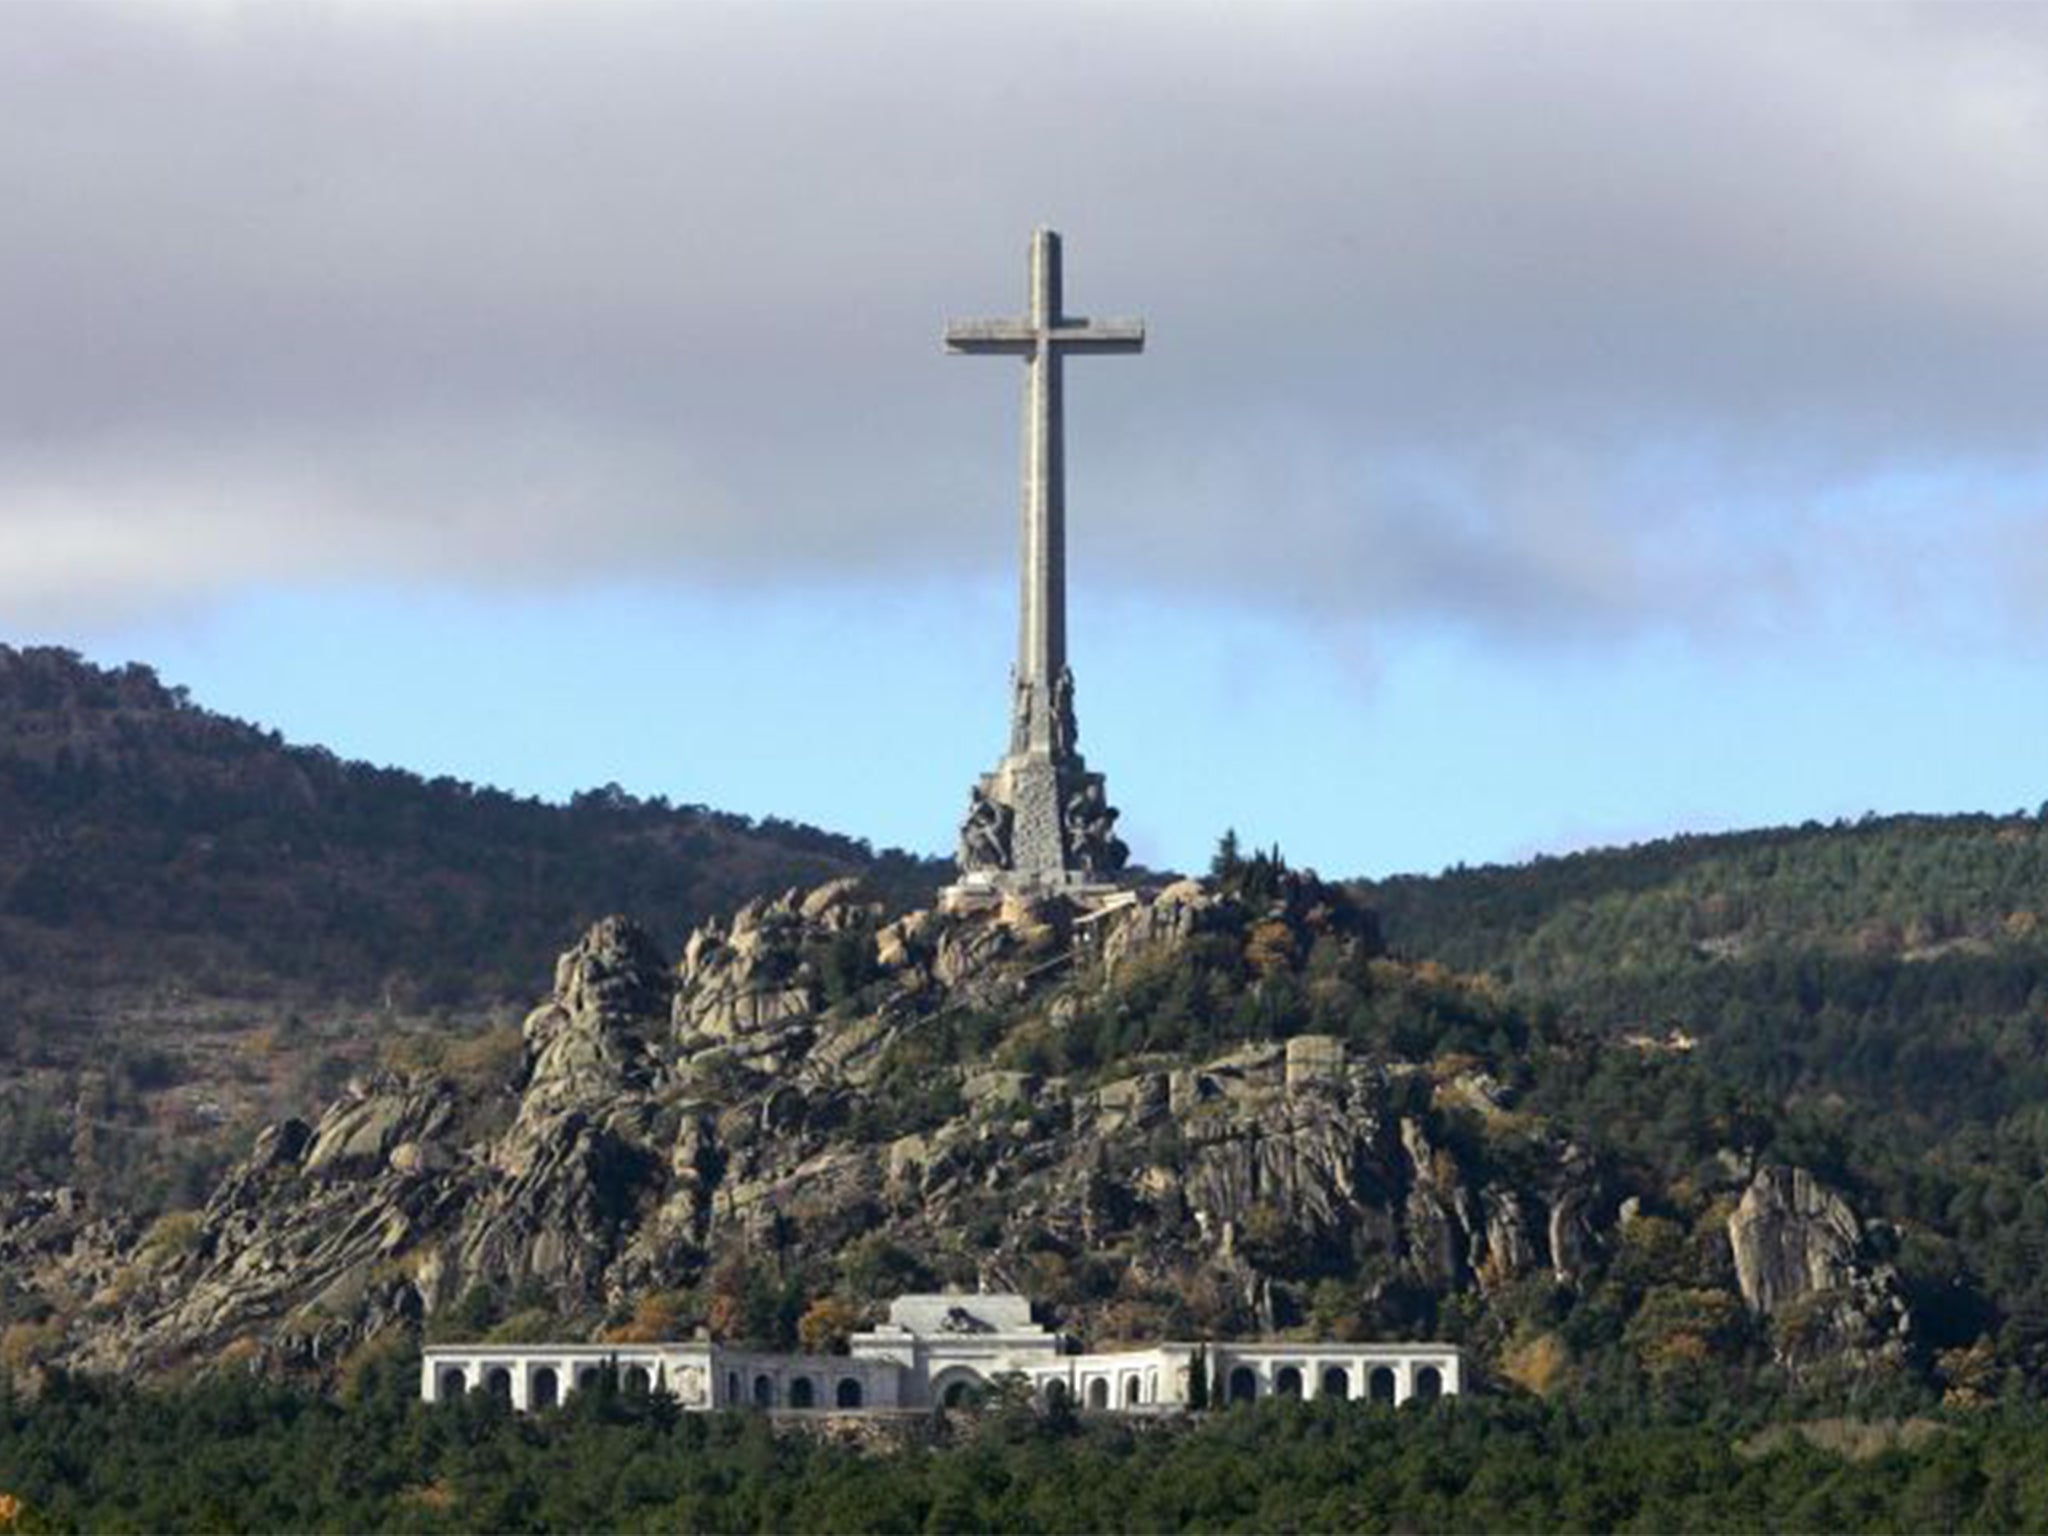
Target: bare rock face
{"points": [[592, 1040], [615, 972], [576, 1189], [1792, 1236], [361, 1131], [1438, 1210], [300, 1243], [578, 1164], [1319, 1169], [1800, 1259], [1173, 916], [754, 1098], [1513, 1238], [757, 973], [1572, 1217]]}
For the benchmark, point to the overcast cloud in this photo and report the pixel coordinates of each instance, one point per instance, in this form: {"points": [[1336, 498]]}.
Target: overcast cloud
{"points": [[1539, 320]]}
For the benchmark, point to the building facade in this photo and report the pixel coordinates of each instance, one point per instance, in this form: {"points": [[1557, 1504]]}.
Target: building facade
{"points": [[942, 1351]]}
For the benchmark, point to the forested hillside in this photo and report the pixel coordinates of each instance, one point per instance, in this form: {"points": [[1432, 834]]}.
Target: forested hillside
{"points": [[201, 925], [1897, 965], [1907, 888], [1879, 990]]}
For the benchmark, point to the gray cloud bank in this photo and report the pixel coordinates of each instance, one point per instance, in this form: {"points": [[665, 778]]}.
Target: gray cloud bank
{"points": [[1544, 320]]}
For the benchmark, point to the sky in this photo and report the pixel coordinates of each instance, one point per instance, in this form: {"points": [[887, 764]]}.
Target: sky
{"points": [[1559, 425]]}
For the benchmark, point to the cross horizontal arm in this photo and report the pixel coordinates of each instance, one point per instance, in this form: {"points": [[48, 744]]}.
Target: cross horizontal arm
{"points": [[1023, 336], [991, 336], [1099, 335]]}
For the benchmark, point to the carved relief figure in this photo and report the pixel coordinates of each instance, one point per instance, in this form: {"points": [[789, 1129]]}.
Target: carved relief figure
{"points": [[1091, 829], [1020, 713], [985, 835], [1066, 735]]}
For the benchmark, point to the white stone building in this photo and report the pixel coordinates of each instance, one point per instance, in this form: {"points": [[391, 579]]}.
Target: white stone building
{"points": [[939, 1351]]}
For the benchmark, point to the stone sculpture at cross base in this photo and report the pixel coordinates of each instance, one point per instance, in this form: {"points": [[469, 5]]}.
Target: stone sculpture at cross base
{"points": [[1040, 820], [1041, 823]]}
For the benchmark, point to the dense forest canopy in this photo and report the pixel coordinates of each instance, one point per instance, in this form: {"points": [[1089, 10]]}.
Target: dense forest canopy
{"points": [[238, 1455]]}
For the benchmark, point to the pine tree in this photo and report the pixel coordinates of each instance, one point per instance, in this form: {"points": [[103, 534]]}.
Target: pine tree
{"points": [[1198, 1379], [1228, 860]]}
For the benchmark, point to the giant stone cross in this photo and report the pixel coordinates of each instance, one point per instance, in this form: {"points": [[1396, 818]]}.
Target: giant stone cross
{"points": [[1041, 821]]}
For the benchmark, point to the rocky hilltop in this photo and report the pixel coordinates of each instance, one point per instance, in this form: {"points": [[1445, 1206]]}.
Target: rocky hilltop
{"points": [[1217, 1107]]}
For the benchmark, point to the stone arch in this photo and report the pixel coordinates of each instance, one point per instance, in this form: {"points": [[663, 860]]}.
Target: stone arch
{"points": [[544, 1388], [1287, 1382], [1336, 1382], [958, 1387], [637, 1379], [732, 1389], [1098, 1392], [1134, 1391], [848, 1394], [1244, 1385], [498, 1383], [1429, 1384], [1055, 1394], [803, 1393], [454, 1382], [764, 1390], [588, 1376], [1380, 1385]]}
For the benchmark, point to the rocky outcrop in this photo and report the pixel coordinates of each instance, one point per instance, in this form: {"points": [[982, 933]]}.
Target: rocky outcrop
{"points": [[579, 1166], [57, 1233], [760, 971], [1572, 1215], [782, 1091], [1801, 1260], [1791, 1236], [377, 1121], [1172, 916], [589, 1040], [385, 1210]]}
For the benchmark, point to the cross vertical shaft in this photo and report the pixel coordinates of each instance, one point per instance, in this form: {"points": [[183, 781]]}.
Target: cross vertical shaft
{"points": [[1042, 609]]}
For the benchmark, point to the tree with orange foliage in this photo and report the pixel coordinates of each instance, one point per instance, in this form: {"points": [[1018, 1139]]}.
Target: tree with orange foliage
{"points": [[1271, 947], [657, 1316], [826, 1325]]}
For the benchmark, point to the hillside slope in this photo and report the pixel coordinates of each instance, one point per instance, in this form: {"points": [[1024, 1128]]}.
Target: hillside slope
{"points": [[1215, 1110], [1877, 990], [1908, 888], [201, 925]]}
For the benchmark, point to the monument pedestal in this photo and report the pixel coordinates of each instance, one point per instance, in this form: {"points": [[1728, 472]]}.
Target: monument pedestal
{"points": [[992, 891], [1040, 822]]}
